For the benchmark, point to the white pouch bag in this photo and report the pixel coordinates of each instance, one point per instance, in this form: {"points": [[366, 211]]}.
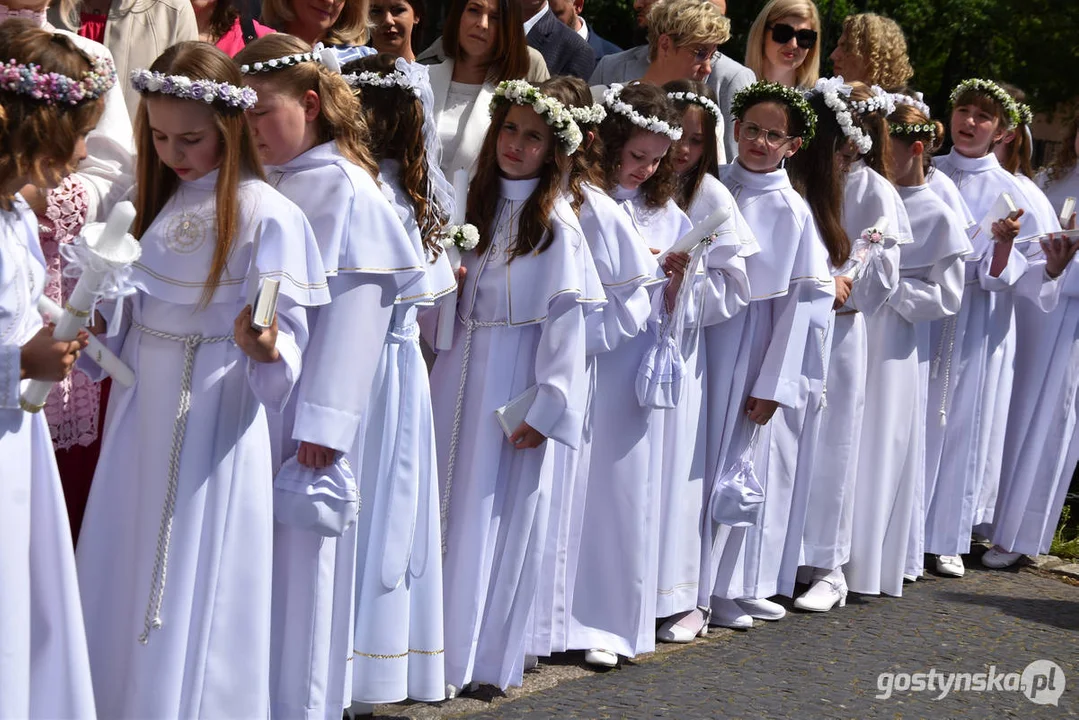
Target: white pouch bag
{"points": [[737, 495], [324, 501]]}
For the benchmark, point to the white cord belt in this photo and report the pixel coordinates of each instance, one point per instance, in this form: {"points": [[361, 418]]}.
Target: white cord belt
{"points": [[191, 343], [458, 408]]}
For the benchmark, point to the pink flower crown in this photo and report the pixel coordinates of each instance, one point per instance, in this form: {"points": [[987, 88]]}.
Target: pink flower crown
{"points": [[54, 88]]}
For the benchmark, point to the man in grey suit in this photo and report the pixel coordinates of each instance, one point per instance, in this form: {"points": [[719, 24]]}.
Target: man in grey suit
{"points": [[726, 79], [569, 12], [565, 51]]}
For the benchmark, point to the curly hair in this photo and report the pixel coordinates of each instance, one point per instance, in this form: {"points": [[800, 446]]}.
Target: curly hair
{"points": [[688, 22], [775, 10], [155, 183], [880, 43], [1064, 160], [875, 125], [690, 182], [616, 131], [340, 118], [37, 140], [395, 125], [534, 224], [814, 171], [587, 161]]}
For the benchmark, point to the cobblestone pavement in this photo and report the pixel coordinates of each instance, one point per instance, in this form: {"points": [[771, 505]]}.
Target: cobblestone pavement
{"points": [[825, 666]]}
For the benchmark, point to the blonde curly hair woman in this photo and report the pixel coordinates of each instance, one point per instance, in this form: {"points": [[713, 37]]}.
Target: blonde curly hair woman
{"points": [[873, 50]]}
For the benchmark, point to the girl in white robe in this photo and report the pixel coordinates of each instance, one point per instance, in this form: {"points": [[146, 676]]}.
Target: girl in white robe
{"points": [[597, 587], [759, 358], [177, 595], [397, 650], [317, 159], [44, 666], [972, 379], [520, 329], [1042, 443]]}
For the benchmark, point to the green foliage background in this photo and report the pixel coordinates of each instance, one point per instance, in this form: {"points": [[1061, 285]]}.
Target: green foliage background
{"points": [[1033, 44]]}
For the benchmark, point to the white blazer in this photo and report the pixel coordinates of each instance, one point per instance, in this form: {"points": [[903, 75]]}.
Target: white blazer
{"points": [[473, 125]]}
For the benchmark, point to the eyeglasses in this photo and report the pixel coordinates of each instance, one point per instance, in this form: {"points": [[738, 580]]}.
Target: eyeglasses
{"points": [[782, 34], [774, 138], [702, 53]]}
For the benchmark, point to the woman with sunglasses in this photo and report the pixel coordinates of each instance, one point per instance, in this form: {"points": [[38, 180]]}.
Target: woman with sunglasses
{"points": [[872, 50], [783, 43]]}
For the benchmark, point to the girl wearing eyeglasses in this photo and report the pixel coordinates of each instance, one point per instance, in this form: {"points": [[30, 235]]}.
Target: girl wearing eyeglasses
{"points": [[873, 50], [783, 44]]}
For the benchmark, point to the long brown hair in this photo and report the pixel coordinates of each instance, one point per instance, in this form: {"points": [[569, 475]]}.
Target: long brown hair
{"points": [[534, 225], [340, 118], [815, 173], [155, 183], [875, 125], [1065, 158], [394, 119], [509, 56], [690, 182], [1017, 158], [586, 162], [616, 130], [932, 140], [37, 139]]}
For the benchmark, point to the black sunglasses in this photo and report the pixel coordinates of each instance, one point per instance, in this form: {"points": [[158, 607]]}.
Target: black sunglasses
{"points": [[782, 34]]}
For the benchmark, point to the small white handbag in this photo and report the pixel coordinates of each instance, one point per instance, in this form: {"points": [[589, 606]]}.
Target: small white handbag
{"points": [[737, 495], [324, 501]]}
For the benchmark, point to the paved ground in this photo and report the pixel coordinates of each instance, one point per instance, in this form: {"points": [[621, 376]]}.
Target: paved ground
{"points": [[827, 666]]}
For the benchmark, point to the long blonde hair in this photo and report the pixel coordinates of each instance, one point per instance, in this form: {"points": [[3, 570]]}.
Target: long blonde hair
{"points": [[155, 182], [807, 73], [340, 118]]}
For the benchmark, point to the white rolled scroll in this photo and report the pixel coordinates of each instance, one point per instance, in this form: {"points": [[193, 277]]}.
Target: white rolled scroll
{"points": [[447, 310], [701, 232], [111, 249]]}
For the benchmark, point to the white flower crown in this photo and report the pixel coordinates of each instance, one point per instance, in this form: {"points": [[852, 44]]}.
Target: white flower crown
{"points": [[557, 116], [612, 100], [181, 86], [915, 101], [700, 100], [881, 100], [588, 115], [319, 54], [830, 89], [395, 79]]}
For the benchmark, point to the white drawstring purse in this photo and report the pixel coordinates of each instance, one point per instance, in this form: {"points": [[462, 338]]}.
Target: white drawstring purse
{"points": [[737, 495], [324, 501]]}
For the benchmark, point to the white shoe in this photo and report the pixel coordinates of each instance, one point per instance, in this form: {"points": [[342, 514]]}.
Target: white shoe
{"points": [[997, 558], [531, 662], [602, 658], [729, 614], [824, 594], [762, 609], [452, 691], [950, 566], [672, 632], [360, 709]]}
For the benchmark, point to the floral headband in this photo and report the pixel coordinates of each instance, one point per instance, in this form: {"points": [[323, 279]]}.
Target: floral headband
{"points": [[830, 89], [557, 116], [319, 54], [588, 115], [612, 100], [881, 100], [181, 86], [55, 88], [915, 101], [769, 91], [700, 100], [1026, 115], [913, 129], [387, 81], [993, 91]]}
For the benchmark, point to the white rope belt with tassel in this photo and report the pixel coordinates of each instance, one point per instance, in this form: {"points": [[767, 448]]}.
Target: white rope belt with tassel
{"points": [[458, 409], [191, 343]]}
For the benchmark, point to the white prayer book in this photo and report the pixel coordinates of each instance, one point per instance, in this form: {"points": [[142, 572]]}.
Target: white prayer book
{"points": [[265, 307], [1066, 211], [512, 414]]}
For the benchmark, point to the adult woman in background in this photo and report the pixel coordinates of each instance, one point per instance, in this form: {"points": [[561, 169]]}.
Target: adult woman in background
{"points": [[336, 22], [784, 43], [393, 24], [873, 50], [484, 44], [134, 31], [221, 23]]}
